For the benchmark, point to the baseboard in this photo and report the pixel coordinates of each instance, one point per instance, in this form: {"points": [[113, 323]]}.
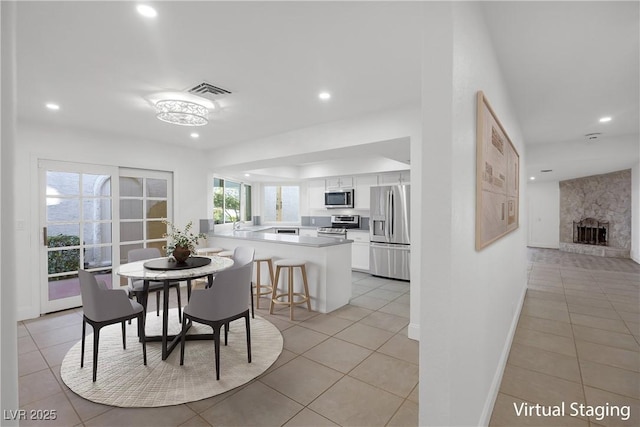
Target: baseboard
{"points": [[543, 246], [413, 331], [497, 378]]}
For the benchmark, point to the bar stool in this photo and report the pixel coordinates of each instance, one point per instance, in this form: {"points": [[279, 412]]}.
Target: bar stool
{"points": [[209, 251], [290, 264], [262, 289]]}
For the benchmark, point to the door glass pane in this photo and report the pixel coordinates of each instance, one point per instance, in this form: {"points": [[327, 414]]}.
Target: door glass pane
{"points": [[156, 230], [156, 187], [64, 210], [130, 209], [96, 185], [60, 235], [96, 233], [124, 251], [131, 231], [156, 209], [130, 187], [96, 257], [63, 183], [161, 245], [96, 209], [63, 287], [63, 260]]}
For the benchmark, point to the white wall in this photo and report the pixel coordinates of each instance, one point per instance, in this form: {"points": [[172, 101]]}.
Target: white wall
{"points": [[470, 300], [398, 124], [8, 330], [380, 126], [635, 212], [543, 202], [189, 173]]}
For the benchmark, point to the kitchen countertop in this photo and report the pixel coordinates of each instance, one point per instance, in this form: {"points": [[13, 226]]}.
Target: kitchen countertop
{"points": [[255, 233]]}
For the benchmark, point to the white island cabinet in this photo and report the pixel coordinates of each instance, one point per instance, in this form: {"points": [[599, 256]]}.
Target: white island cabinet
{"points": [[328, 262]]}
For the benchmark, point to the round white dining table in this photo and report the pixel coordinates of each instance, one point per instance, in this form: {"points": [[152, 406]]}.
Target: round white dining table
{"points": [[138, 271]]}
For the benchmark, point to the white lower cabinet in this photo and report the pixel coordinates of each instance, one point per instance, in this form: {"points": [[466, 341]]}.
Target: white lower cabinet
{"points": [[309, 232], [359, 250]]}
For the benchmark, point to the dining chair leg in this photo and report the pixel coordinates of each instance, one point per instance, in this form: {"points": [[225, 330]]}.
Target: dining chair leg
{"points": [[248, 329], [84, 330], [251, 289], [96, 340], [183, 340], [142, 336], [124, 335], [158, 303], [216, 346]]}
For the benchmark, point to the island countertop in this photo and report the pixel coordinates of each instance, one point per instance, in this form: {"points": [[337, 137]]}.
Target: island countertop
{"points": [[289, 239]]}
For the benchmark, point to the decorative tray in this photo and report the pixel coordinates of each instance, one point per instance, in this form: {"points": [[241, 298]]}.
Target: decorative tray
{"points": [[172, 264]]}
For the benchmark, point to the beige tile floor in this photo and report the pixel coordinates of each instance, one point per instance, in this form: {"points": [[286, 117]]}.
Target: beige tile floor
{"points": [[354, 366], [577, 340]]}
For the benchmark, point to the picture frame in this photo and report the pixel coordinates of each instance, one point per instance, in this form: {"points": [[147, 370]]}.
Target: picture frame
{"points": [[497, 178]]}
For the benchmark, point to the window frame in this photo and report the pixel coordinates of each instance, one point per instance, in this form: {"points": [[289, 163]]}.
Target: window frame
{"points": [[244, 200]]}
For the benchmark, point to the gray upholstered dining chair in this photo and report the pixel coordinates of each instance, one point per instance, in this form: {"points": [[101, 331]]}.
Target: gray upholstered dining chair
{"points": [[241, 256], [216, 306], [102, 307], [136, 286]]}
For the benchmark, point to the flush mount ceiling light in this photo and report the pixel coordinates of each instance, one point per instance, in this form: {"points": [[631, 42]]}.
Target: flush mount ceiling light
{"points": [[146, 11], [183, 113]]}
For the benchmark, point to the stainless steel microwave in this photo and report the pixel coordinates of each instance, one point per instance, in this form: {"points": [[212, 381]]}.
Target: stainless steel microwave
{"points": [[335, 199]]}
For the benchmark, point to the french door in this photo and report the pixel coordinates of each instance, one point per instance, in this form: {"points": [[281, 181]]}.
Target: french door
{"points": [[78, 228]]}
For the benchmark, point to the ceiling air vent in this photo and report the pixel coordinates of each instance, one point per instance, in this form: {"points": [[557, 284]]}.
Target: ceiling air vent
{"points": [[546, 170], [590, 137], [208, 90]]}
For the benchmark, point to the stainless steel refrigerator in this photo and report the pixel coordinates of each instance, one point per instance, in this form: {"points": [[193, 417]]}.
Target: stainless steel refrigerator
{"points": [[390, 249]]}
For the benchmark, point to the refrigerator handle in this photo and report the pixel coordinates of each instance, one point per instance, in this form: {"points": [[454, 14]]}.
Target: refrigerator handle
{"points": [[393, 213], [387, 229]]}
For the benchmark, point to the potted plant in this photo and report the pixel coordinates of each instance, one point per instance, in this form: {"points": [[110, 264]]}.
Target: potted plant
{"points": [[181, 243]]}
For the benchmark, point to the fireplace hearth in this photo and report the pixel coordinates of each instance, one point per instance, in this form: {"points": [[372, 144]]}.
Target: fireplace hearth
{"points": [[590, 231]]}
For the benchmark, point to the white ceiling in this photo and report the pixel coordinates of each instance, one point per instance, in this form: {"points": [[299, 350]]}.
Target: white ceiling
{"points": [[566, 65]]}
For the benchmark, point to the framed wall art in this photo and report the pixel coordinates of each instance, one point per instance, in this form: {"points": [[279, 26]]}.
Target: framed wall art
{"points": [[497, 178]]}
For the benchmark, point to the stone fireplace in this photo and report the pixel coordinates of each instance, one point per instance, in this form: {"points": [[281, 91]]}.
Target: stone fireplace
{"points": [[595, 215]]}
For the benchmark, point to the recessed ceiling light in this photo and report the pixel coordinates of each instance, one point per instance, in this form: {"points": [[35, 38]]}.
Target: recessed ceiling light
{"points": [[52, 106], [146, 11], [247, 175], [324, 95], [195, 135], [532, 178], [605, 119]]}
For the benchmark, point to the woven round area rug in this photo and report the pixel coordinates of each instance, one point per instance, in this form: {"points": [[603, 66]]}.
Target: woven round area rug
{"points": [[123, 380]]}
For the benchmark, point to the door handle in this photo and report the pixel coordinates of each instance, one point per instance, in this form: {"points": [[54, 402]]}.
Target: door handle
{"points": [[44, 236]]}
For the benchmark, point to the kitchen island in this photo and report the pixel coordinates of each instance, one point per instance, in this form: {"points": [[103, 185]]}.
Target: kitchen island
{"points": [[328, 261]]}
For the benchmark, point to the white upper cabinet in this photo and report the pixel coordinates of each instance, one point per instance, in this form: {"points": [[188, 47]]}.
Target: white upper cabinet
{"points": [[400, 177], [362, 190], [315, 193], [339, 182]]}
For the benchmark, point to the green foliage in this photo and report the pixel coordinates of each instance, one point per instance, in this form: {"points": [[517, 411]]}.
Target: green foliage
{"points": [[226, 206], [184, 238], [64, 260]]}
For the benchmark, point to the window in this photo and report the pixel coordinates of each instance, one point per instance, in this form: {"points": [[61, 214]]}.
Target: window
{"points": [[281, 203], [231, 201], [145, 201]]}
